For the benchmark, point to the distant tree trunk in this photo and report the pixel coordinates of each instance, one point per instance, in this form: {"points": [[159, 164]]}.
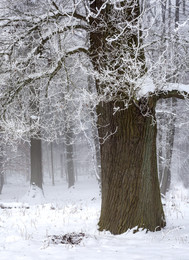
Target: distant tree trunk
{"points": [[184, 7], [1, 182], [69, 160], [169, 14], [1, 177], [1, 167], [162, 144], [177, 8], [163, 10], [160, 117], [52, 165], [130, 186], [97, 150], [36, 143], [61, 166], [36, 163], [165, 175], [92, 86]]}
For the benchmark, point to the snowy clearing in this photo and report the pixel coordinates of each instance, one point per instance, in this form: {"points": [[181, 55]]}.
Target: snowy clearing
{"points": [[26, 228]]}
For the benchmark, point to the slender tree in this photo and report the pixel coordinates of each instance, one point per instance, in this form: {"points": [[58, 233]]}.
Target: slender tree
{"points": [[166, 119], [70, 159], [52, 165], [1, 171]]}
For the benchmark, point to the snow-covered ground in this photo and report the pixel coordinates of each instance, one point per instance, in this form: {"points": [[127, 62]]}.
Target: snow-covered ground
{"points": [[26, 227]]}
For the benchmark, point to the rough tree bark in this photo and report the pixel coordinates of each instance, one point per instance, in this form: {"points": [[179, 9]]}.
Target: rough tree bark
{"points": [[130, 186]]}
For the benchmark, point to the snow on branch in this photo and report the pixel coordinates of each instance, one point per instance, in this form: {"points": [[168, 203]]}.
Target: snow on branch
{"points": [[147, 88]]}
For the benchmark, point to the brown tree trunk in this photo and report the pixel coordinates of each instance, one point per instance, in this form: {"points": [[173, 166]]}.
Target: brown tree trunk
{"points": [[36, 163], [130, 186]]}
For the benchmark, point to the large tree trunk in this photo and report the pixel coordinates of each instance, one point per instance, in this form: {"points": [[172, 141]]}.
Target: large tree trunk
{"points": [[36, 163], [130, 186]]}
